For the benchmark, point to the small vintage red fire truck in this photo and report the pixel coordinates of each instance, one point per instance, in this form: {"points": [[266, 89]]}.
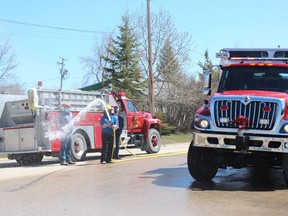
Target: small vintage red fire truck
{"points": [[28, 131], [246, 122]]}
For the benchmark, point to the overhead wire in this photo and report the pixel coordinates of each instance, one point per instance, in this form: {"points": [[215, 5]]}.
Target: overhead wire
{"points": [[49, 36], [88, 31], [53, 27], [188, 27]]}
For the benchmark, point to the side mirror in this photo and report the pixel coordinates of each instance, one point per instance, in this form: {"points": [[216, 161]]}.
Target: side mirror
{"points": [[207, 83]]}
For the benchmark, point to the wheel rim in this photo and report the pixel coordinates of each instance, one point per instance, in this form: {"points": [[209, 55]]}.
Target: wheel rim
{"points": [[79, 147], [154, 140]]}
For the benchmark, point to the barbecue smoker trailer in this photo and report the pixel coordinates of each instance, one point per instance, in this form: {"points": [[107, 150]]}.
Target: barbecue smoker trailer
{"points": [[246, 122], [28, 130]]}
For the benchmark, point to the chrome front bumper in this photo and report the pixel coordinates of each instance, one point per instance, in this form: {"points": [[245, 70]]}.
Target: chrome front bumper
{"points": [[256, 143]]}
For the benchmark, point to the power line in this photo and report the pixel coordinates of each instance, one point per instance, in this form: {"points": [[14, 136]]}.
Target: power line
{"points": [[37, 35], [53, 27], [186, 26]]}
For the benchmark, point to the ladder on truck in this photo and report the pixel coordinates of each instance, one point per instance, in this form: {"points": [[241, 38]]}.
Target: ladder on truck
{"points": [[76, 98]]}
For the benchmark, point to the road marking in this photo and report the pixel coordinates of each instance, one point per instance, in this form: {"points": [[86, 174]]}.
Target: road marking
{"points": [[139, 157]]}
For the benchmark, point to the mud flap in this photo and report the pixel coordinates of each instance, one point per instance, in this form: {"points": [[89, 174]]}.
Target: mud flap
{"points": [[242, 143]]}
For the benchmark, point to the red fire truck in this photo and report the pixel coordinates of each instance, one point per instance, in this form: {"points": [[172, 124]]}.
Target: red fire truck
{"points": [[246, 122], [28, 131]]}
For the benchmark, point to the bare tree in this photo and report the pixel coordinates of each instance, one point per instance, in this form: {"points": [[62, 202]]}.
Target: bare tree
{"points": [[8, 79], [95, 64], [7, 60], [11, 88], [176, 89], [184, 91], [163, 30]]}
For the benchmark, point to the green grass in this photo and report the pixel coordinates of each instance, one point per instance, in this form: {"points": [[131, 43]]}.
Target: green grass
{"points": [[176, 138], [3, 155]]}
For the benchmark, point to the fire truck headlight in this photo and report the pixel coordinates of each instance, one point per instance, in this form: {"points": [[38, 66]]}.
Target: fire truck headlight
{"points": [[285, 128], [204, 123]]}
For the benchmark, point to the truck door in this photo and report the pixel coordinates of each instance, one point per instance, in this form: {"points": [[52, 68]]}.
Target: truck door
{"points": [[135, 118]]}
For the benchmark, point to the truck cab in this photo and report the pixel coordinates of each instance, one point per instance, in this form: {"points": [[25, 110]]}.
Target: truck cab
{"points": [[142, 128], [245, 123]]}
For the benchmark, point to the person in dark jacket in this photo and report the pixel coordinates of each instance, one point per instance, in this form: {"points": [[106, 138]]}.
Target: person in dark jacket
{"points": [[65, 125], [118, 131], [108, 125]]}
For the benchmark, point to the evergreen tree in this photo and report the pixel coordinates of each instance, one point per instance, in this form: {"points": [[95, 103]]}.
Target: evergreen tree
{"points": [[169, 72], [168, 65], [123, 63], [215, 72]]}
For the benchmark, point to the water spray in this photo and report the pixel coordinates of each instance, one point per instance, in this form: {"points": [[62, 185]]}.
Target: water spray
{"points": [[52, 135], [107, 112]]}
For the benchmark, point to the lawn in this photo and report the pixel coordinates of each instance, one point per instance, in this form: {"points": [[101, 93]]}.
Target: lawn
{"points": [[176, 138]]}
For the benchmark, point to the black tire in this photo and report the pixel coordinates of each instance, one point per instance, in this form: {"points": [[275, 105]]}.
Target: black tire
{"points": [[153, 142], [201, 163], [29, 158], [285, 168], [79, 147]]}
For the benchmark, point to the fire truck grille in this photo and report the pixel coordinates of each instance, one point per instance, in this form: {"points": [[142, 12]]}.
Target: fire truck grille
{"points": [[255, 115]]}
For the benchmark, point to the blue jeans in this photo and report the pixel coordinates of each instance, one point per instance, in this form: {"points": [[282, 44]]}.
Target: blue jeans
{"points": [[65, 151]]}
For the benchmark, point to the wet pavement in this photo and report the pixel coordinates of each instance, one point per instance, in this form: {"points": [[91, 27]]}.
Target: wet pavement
{"points": [[143, 185]]}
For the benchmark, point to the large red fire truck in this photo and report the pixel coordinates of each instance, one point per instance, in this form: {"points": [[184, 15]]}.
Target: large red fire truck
{"points": [[28, 131], [246, 122]]}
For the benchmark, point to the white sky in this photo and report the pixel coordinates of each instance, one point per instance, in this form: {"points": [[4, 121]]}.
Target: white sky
{"points": [[212, 24]]}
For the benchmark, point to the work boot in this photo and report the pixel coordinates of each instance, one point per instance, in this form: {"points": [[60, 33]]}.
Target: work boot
{"points": [[64, 163], [71, 162]]}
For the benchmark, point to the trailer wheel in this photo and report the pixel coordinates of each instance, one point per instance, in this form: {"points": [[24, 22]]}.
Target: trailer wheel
{"points": [[29, 159], [285, 168], [201, 163], [153, 142], [79, 147]]}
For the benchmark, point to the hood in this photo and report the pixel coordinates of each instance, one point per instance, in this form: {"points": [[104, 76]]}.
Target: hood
{"points": [[147, 115], [280, 95]]}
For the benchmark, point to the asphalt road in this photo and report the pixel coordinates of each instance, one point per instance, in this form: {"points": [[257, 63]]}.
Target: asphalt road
{"points": [[138, 185]]}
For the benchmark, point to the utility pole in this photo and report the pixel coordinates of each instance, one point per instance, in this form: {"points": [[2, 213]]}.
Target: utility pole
{"points": [[63, 72], [151, 79]]}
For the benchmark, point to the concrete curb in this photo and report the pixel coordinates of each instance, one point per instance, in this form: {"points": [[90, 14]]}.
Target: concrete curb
{"points": [[165, 148]]}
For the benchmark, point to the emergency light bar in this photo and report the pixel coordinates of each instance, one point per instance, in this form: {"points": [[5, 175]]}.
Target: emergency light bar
{"points": [[121, 95], [222, 55], [226, 55], [258, 59]]}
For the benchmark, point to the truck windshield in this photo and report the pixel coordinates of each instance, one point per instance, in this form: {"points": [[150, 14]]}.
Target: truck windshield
{"points": [[254, 78]]}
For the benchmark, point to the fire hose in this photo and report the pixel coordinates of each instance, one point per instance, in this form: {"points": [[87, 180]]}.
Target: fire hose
{"points": [[114, 137], [121, 142]]}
